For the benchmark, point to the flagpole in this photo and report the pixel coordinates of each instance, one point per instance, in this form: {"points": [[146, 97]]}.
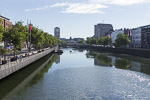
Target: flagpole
{"points": [[30, 36]]}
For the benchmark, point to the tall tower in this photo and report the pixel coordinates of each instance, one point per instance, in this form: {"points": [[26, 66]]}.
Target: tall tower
{"points": [[57, 32]]}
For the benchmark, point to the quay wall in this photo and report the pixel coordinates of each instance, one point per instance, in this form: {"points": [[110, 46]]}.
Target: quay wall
{"points": [[129, 51], [11, 67]]}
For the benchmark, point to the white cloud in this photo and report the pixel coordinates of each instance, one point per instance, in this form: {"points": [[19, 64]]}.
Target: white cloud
{"points": [[77, 8], [37, 9], [60, 4], [81, 8], [90, 7], [120, 2]]}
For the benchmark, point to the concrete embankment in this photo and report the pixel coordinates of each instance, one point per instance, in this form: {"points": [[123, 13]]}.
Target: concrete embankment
{"points": [[11, 67], [130, 51]]}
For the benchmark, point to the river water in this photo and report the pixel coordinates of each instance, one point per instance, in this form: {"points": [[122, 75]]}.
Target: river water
{"points": [[80, 75]]}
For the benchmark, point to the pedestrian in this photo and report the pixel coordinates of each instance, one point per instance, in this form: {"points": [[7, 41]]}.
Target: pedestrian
{"points": [[8, 59], [16, 57], [20, 57]]}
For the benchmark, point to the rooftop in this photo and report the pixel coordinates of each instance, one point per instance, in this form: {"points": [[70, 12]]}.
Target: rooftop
{"points": [[4, 17]]}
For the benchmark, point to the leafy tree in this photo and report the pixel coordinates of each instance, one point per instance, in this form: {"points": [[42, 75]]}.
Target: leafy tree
{"points": [[122, 40], [1, 31], [105, 40], [42, 39], [3, 52], [16, 35], [81, 42], [63, 42], [99, 41], [88, 41], [94, 41]]}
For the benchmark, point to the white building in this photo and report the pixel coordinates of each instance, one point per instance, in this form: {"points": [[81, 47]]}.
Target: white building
{"points": [[136, 37], [115, 33]]}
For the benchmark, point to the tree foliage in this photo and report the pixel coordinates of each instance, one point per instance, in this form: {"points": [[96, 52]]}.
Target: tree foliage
{"points": [[16, 35], [1, 31], [81, 42], [88, 41], [105, 40], [19, 34], [121, 40], [63, 42]]}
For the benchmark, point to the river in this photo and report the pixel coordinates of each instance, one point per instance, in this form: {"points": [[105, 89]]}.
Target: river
{"points": [[80, 75]]}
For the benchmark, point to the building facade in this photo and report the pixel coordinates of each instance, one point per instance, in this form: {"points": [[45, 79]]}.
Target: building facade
{"points": [[5, 22], [57, 32], [145, 38], [115, 33], [136, 37], [102, 30]]}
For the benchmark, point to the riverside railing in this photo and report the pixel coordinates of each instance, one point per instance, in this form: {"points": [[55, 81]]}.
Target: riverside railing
{"points": [[14, 66]]}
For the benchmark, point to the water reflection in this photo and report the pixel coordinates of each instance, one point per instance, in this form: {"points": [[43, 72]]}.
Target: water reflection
{"points": [[121, 62], [11, 85], [58, 59]]}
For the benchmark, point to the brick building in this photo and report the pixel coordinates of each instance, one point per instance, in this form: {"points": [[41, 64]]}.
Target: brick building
{"points": [[5, 22]]}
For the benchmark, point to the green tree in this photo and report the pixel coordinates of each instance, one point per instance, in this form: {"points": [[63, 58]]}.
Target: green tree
{"points": [[88, 41], [122, 40], [99, 41], [93, 41], [81, 42], [105, 40], [1, 31], [16, 35], [63, 42]]}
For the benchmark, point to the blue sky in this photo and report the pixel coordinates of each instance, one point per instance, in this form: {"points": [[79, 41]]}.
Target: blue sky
{"points": [[76, 18]]}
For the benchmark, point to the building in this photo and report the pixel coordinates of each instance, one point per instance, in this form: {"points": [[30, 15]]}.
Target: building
{"points": [[102, 30], [5, 22], [136, 37], [78, 39], [145, 38], [57, 32], [115, 33]]}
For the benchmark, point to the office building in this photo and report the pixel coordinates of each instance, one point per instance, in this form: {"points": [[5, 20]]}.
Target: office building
{"points": [[145, 38], [136, 37], [102, 30], [57, 32]]}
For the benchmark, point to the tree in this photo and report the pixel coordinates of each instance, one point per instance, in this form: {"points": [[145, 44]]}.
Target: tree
{"points": [[88, 41], [81, 41], [99, 41], [105, 40], [16, 35], [3, 52], [1, 31], [121, 40], [93, 41], [63, 42]]}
